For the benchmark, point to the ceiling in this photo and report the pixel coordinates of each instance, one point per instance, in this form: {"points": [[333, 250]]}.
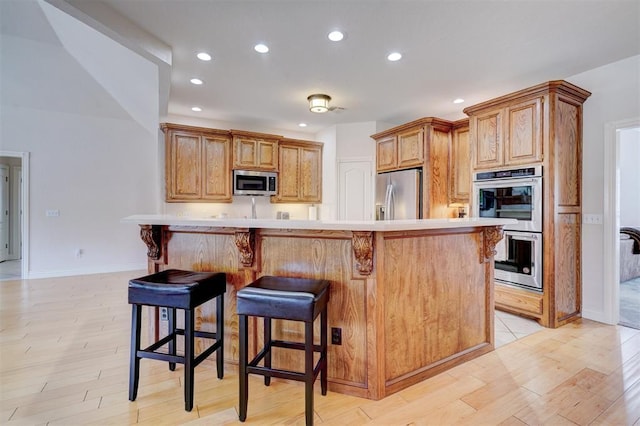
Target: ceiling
{"points": [[474, 50]]}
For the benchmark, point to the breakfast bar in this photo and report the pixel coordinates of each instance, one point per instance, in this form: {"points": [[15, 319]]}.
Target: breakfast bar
{"points": [[408, 298]]}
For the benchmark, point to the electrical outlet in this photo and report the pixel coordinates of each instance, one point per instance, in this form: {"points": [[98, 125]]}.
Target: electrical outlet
{"points": [[164, 314], [336, 336]]}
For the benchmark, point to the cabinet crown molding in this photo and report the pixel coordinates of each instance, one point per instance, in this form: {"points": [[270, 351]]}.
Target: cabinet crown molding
{"points": [[561, 87], [438, 123], [291, 141], [257, 135], [194, 129]]}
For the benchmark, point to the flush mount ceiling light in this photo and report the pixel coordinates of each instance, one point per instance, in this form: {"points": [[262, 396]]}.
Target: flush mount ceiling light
{"points": [[319, 103]]}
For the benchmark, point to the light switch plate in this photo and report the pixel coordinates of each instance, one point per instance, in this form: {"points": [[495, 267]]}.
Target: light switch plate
{"points": [[592, 219]]}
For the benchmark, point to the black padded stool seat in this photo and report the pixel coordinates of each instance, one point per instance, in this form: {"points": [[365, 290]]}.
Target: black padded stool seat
{"points": [[177, 289], [295, 299]]}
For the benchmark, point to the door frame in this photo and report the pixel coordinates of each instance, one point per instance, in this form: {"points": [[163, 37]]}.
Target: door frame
{"points": [[611, 221], [24, 156]]}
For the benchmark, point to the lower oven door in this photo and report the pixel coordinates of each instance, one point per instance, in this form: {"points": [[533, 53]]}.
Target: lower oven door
{"points": [[518, 259]]}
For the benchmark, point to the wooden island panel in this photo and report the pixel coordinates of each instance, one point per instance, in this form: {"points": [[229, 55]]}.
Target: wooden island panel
{"points": [[327, 256], [450, 311]]}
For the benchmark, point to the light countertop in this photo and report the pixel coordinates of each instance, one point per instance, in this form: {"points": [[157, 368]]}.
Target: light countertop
{"points": [[328, 225]]}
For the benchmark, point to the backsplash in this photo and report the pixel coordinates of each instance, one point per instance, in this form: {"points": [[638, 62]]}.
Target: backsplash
{"points": [[240, 208]]}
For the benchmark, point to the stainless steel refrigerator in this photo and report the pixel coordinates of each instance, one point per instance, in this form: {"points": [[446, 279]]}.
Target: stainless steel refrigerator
{"points": [[399, 195]]}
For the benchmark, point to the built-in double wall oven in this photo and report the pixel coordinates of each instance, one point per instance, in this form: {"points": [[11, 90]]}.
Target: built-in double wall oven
{"points": [[514, 194]]}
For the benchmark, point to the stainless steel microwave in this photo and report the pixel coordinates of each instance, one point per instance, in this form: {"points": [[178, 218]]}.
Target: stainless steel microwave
{"points": [[252, 182]]}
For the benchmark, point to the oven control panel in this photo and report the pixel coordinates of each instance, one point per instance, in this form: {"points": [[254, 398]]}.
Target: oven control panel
{"points": [[509, 174]]}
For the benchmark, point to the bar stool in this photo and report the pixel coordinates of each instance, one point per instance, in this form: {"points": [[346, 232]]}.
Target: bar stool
{"points": [[295, 299], [176, 289]]}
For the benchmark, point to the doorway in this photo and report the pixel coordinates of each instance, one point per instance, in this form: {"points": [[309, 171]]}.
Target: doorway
{"points": [[616, 298], [14, 234]]}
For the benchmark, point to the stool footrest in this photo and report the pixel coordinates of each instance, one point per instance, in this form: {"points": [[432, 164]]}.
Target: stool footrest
{"points": [[293, 345], [150, 351], [282, 374]]}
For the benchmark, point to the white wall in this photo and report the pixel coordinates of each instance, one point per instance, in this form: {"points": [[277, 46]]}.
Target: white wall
{"points": [[93, 150], [630, 177], [615, 88]]}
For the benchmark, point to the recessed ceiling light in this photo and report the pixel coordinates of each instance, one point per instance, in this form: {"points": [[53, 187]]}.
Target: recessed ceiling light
{"points": [[335, 36], [196, 109], [261, 48], [196, 81], [458, 101], [394, 56], [203, 56], [302, 124]]}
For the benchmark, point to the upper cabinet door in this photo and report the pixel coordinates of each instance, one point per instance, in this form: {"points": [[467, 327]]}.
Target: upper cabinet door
{"points": [[311, 174], [488, 148], [460, 166], [411, 148], [217, 173], [387, 153], [288, 185], [523, 144], [267, 155], [184, 169]]}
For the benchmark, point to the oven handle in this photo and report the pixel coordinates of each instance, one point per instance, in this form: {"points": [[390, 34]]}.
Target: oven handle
{"points": [[524, 237]]}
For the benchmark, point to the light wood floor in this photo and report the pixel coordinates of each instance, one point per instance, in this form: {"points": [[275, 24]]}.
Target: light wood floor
{"points": [[64, 360]]}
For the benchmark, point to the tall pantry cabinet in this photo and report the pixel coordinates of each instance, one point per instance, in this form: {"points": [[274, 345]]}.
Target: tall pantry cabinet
{"points": [[541, 125]]}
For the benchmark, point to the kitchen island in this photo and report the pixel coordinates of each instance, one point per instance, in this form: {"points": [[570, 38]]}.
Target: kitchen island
{"points": [[408, 298]]}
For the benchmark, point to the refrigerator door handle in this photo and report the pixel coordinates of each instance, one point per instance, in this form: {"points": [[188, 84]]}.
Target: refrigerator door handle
{"points": [[388, 203]]}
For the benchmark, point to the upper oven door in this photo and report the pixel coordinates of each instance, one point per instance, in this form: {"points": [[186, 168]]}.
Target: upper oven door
{"points": [[519, 199]]}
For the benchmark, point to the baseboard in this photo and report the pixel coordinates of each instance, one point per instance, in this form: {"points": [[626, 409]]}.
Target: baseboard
{"points": [[599, 316], [86, 271]]}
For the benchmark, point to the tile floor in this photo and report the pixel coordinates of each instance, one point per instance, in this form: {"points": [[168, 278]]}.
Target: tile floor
{"points": [[509, 328]]}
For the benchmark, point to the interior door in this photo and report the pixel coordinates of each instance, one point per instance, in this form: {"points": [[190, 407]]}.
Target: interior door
{"points": [[4, 213], [355, 190]]}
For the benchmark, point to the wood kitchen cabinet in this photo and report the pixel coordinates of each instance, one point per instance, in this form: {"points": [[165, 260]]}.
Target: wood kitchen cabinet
{"points": [[401, 150], [300, 177], [540, 125], [197, 164], [255, 151], [460, 163], [508, 135], [423, 143]]}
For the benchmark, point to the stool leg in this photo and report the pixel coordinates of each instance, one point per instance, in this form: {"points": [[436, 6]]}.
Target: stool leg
{"points": [[267, 345], [171, 316], [188, 359], [308, 372], [220, 336], [323, 353], [134, 362], [243, 379]]}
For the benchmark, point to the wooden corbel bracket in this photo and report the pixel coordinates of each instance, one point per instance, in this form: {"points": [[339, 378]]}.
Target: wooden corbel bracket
{"points": [[152, 237], [362, 243]]}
